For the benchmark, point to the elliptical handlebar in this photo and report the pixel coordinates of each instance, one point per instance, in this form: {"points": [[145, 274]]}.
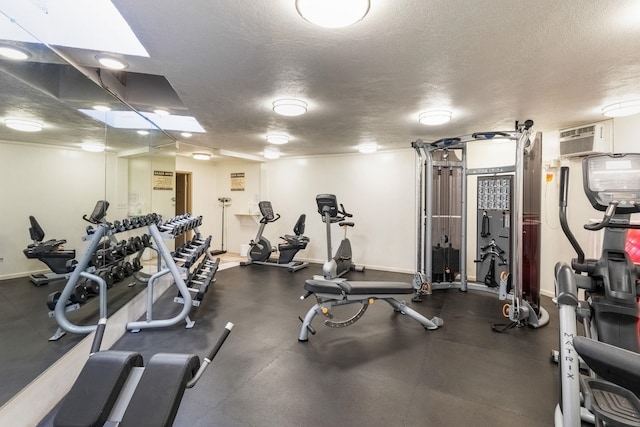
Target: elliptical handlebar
{"points": [[564, 189]]}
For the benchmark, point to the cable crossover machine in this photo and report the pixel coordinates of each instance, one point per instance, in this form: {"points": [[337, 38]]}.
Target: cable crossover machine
{"points": [[508, 223]]}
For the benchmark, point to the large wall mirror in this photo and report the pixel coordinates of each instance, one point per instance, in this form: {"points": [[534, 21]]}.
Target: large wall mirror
{"points": [[66, 141]]}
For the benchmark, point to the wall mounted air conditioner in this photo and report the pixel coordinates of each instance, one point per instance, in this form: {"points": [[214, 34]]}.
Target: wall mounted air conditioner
{"points": [[585, 140]]}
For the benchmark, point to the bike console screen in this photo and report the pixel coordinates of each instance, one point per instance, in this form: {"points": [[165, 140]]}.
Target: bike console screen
{"points": [[613, 178]]}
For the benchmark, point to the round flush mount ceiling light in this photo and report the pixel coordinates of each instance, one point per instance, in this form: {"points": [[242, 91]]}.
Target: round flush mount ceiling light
{"points": [[142, 132], [161, 112], [368, 148], [436, 117], [93, 147], [23, 125], [201, 156], [14, 53], [271, 153], [186, 134], [278, 139], [289, 107], [333, 13], [101, 107], [111, 62], [621, 109]]}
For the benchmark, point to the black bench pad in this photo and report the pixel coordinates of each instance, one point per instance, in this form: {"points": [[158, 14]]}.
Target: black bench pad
{"points": [[365, 288], [156, 400], [96, 389], [322, 286], [358, 287]]}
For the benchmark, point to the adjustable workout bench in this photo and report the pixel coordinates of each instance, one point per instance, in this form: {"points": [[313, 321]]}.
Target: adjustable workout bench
{"points": [[114, 389], [342, 292]]}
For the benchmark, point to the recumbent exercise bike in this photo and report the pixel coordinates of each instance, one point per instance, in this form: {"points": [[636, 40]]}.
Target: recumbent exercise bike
{"points": [[607, 394], [260, 248], [59, 260]]}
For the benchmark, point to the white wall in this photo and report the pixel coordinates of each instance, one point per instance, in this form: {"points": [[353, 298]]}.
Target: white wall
{"points": [[54, 185], [378, 189]]}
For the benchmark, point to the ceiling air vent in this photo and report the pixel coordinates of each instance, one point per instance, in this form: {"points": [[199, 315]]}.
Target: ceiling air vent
{"points": [[585, 140]]}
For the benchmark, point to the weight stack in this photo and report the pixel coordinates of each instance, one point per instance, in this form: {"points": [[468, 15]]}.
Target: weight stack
{"points": [[445, 264]]}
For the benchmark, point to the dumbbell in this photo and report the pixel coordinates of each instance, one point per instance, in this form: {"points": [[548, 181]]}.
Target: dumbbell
{"points": [[79, 295], [107, 276], [122, 248], [137, 266], [52, 300], [138, 243], [91, 288], [128, 268], [118, 273], [146, 240]]}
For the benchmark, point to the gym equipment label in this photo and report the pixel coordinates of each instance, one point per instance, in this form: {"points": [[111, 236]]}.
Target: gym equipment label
{"points": [[237, 181], [162, 180]]}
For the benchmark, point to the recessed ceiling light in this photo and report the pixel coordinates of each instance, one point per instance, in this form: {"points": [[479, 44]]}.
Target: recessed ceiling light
{"points": [[161, 112], [289, 107], [436, 117], [94, 147], [333, 13], [142, 132], [23, 125], [367, 148], [14, 53], [271, 153], [201, 156], [100, 107], [111, 62], [622, 109], [277, 139], [186, 134]]}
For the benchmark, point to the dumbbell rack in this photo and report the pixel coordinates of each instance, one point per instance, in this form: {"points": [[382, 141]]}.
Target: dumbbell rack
{"points": [[94, 272], [191, 265]]}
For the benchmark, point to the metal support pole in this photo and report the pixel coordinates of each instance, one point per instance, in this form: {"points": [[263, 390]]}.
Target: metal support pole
{"points": [[59, 311], [463, 222], [163, 251]]}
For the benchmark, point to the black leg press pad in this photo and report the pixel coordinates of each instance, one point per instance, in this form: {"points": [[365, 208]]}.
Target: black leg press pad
{"points": [[156, 400], [358, 287], [96, 389]]}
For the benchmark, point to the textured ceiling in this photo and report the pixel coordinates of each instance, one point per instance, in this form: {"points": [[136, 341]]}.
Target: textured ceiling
{"points": [[490, 62]]}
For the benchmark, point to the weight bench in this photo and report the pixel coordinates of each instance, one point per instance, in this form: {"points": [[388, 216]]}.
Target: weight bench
{"points": [[115, 389], [342, 292]]}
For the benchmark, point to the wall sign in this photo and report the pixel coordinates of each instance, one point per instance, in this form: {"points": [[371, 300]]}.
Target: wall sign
{"points": [[162, 180], [237, 181]]}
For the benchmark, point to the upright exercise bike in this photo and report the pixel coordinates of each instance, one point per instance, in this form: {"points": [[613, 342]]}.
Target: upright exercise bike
{"points": [[607, 393], [261, 249], [340, 263]]}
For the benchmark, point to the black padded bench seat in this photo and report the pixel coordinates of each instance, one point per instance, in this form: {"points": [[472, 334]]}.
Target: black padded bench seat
{"points": [[96, 390], [358, 287], [156, 400]]}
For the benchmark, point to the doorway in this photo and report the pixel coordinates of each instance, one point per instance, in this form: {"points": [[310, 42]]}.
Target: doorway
{"points": [[183, 202]]}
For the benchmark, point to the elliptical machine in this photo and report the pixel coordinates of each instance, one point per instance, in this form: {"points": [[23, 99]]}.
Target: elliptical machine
{"points": [[261, 249], [341, 263], [609, 312]]}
